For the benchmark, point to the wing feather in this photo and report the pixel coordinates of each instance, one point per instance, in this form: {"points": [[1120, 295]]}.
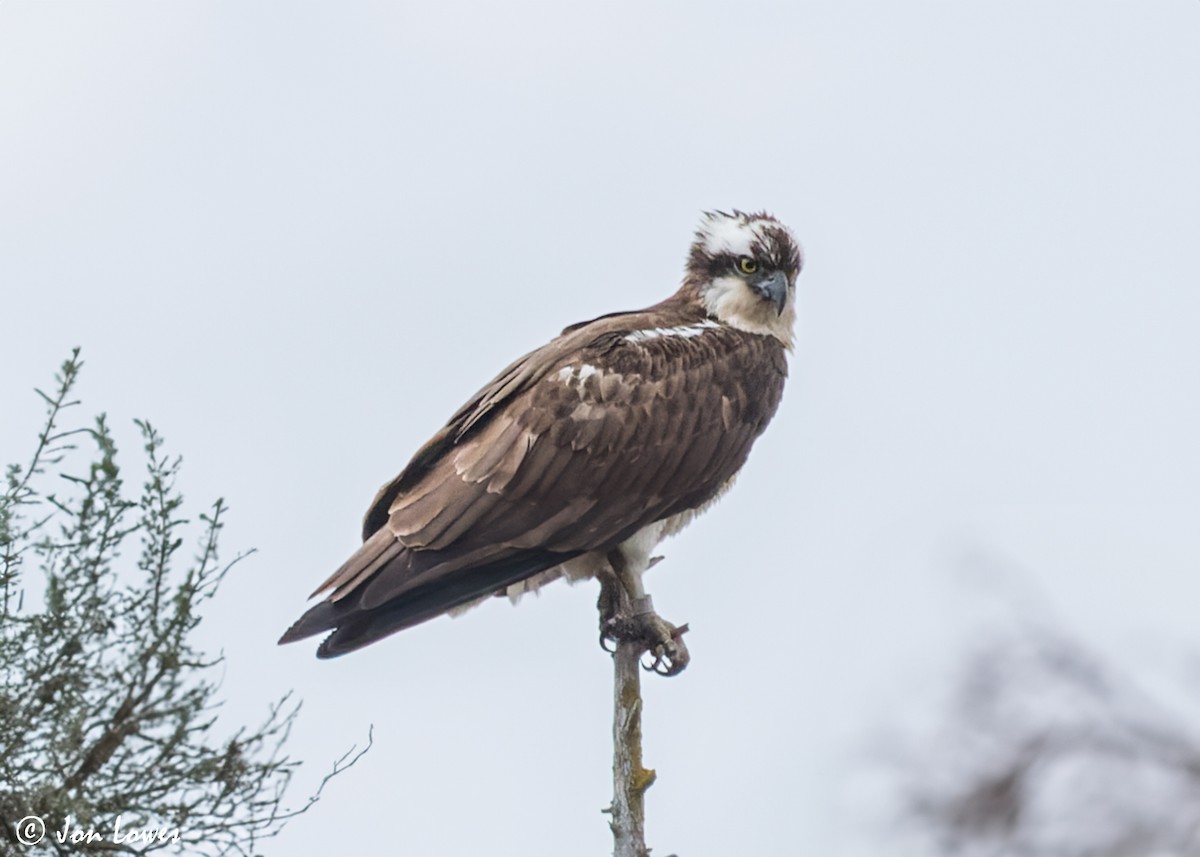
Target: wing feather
{"points": [[572, 448], [480, 457]]}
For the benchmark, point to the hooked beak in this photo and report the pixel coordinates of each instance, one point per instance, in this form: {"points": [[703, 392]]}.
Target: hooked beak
{"points": [[774, 288]]}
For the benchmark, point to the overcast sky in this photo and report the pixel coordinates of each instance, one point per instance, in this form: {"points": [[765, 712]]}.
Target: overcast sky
{"points": [[296, 236]]}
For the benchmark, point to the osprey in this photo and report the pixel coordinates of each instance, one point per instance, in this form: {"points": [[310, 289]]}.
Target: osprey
{"points": [[577, 459]]}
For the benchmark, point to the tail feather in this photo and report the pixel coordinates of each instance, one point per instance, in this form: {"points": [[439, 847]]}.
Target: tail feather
{"points": [[320, 617], [354, 627]]}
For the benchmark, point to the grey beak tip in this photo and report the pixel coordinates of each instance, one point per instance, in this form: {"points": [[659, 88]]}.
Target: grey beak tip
{"points": [[775, 289]]}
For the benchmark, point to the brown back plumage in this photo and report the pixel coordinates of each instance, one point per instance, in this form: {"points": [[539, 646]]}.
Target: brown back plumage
{"points": [[617, 423]]}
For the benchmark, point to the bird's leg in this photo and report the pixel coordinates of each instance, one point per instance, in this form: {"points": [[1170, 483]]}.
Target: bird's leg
{"points": [[611, 604], [627, 614]]}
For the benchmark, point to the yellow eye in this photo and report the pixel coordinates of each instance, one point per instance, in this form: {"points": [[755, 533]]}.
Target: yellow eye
{"points": [[747, 265]]}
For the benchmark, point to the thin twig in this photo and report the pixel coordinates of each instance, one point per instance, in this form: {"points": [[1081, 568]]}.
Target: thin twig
{"points": [[630, 779]]}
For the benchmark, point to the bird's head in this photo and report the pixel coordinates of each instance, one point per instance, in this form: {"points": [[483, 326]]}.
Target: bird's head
{"points": [[743, 268]]}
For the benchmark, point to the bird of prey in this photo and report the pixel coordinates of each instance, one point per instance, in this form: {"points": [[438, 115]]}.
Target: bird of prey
{"points": [[578, 458]]}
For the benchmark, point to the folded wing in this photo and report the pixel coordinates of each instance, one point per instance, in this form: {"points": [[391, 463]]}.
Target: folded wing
{"points": [[573, 448]]}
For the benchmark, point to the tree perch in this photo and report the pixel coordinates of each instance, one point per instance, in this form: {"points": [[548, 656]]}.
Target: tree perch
{"points": [[631, 623], [630, 779]]}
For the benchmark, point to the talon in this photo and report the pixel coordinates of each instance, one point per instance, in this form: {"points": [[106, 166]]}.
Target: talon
{"points": [[670, 658], [661, 641], [609, 633], [633, 620]]}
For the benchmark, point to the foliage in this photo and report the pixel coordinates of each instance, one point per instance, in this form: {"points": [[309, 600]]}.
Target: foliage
{"points": [[1050, 750], [107, 708]]}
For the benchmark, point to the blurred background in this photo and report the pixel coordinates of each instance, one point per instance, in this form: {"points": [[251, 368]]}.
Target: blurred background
{"points": [[957, 581]]}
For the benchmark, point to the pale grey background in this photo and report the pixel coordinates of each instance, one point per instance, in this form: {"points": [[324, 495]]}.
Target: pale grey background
{"points": [[296, 236]]}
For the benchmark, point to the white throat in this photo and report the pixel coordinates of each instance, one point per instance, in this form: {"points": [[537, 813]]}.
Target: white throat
{"points": [[730, 301]]}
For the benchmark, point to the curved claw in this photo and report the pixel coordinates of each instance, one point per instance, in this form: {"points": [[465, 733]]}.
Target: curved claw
{"points": [[605, 637], [658, 639], [664, 668], [669, 659]]}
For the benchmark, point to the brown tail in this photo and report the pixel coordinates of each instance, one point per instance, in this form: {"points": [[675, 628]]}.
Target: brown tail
{"points": [[355, 626]]}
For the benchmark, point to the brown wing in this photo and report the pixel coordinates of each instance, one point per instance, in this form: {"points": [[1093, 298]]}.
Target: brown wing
{"points": [[573, 448]]}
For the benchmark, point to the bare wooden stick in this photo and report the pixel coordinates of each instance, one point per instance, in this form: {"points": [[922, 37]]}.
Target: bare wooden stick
{"points": [[630, 779]]}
